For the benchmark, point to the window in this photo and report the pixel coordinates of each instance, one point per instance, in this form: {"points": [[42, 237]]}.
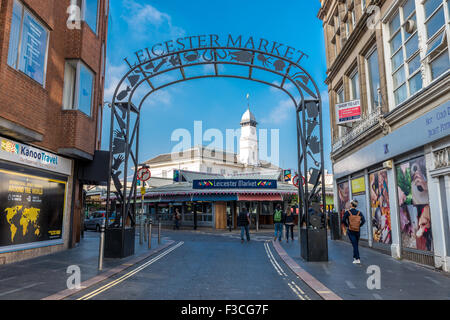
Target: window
{"points": [[209, 170], [373, 75], [89, 12], [222, 171], [340, 99], [437, 45], [78, 87], [405, 56], [363, 6], [27, 44], [354, 85]]}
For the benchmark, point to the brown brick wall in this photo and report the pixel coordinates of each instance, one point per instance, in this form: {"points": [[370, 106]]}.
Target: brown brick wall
{"points": [[26, 102]]}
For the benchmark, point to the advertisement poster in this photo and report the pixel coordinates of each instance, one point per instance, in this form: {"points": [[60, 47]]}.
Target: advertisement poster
{"points": [[31, 208], [344, 203], [379, 203], [415, 219], [359, 194]]}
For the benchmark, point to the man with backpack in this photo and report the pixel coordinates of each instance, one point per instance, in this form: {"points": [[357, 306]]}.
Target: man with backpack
{"points": [[353, 219], [278, 221], [244, 222]]}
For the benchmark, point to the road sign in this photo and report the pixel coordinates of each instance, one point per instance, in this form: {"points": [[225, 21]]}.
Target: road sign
{"points": [[295, 181], [142, 191], [144, 174]]}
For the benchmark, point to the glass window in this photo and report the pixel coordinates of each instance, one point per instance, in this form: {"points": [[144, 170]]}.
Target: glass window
{"points": [[78, 87], [435, 23], [374, 78], [28, 44], [405, 59], [91, 13], [440, 65], [86, 88], [354, 80]]}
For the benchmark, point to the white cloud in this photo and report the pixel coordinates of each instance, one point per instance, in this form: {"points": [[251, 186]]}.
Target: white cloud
{"points": [[282, 112], [145, 20]]}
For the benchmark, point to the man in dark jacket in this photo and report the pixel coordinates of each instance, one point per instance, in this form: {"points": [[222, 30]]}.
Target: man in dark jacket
{"points": [[244, 222], [352, 230]]}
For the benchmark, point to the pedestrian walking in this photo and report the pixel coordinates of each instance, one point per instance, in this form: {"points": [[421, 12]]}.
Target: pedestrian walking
{"points": [[289, 223], [278, 222], [353, 219], [243, 223], [176, 219]]}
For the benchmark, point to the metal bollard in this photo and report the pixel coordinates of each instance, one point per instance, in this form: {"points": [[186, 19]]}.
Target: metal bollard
{"points": [[159, 232], [145, 230], [150, 235], [102, 245]]}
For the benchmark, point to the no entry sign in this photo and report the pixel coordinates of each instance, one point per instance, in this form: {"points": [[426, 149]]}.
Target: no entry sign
{"points": [[143, 174], [295, 181]]}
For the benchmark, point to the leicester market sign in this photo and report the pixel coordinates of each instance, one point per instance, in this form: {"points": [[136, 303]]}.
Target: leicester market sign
{"points": [[214, 41]]}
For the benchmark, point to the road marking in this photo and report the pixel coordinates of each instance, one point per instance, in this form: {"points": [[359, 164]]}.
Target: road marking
{"points": [[273, 261], [350, 284], [129, 274], [433, 280], [20, 289], [377, 296], [296, 292], [6, 279]]}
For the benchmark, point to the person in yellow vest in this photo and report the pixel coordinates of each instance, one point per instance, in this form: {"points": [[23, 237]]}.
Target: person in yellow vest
{"points": [[353, 219]]}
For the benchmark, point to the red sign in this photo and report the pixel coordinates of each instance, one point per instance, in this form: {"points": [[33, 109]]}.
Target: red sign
{"points": [[144, 174], [295, 181], [348, 111]]}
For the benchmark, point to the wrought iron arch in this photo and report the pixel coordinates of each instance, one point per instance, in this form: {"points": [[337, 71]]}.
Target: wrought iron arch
{"points": [[308, 113]]}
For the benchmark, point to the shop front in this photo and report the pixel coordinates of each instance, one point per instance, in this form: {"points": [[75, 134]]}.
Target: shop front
{"points": [[34, 201], [392, 180], [218, 207]]}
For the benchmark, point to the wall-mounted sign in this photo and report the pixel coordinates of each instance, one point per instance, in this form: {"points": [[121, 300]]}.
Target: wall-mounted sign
{"points": [[358, 186], [234, 184], [287, 175], [31, 208], [27, 155], [348, 112]]}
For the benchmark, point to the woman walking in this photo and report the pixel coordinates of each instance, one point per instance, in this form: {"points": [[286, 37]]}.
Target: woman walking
{"points": [[289, 223]]}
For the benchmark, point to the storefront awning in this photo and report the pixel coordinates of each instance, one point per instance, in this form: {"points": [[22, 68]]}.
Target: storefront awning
{"points": [[260, 197]]}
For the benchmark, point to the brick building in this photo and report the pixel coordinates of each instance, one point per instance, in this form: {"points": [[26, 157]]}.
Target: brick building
{"points": [[388, 80], [52, 64]]}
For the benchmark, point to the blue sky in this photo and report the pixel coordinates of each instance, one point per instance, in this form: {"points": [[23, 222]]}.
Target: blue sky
{"points": [[218, 103]]}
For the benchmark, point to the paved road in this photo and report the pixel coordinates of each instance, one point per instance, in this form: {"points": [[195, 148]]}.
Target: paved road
{"points": [[204, 266]]}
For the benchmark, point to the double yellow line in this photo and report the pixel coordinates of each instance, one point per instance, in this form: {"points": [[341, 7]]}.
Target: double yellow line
{"points": [[129, 274]]}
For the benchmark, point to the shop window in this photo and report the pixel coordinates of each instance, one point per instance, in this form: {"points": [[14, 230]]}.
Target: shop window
{"points": [[380, 207], [28, 44], [78, 87], [343, 202], [413, 201]]}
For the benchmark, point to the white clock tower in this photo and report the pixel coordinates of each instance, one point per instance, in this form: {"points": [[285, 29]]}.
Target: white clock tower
{"points": [[248, 146]]}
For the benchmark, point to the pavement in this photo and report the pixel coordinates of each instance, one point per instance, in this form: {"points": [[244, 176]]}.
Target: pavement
{"points": [[214, 265], [399, 279], [46, 277]]}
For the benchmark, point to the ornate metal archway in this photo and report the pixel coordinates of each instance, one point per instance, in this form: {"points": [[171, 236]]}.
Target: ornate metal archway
{"points": [[152, 64]]}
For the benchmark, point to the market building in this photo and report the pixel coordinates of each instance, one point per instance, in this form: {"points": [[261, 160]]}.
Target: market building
{"points": [[52, 63], [388, 81], [208, 200]]}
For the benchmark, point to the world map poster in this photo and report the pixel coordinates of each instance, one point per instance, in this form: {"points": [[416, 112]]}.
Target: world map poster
{"points": [[31, 208]]}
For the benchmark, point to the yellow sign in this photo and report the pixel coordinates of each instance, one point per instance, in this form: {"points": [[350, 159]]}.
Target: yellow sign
{"points": [[358, 185], [142, 191]]}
